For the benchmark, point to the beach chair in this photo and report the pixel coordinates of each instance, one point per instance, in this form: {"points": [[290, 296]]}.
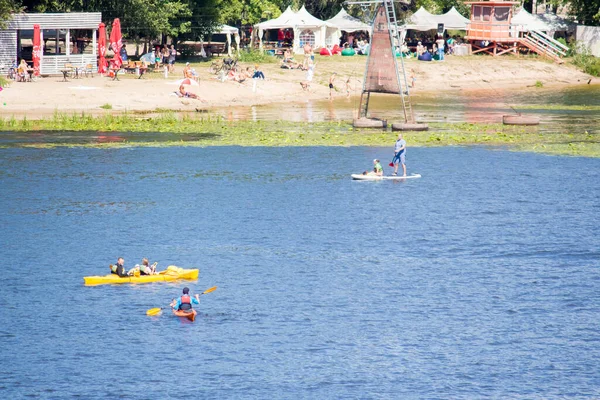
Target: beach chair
{"points": [[88, 69]]}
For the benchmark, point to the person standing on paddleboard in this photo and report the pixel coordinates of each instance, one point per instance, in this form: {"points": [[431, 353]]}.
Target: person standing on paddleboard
{"points": [[184, 303], [399, 154]]}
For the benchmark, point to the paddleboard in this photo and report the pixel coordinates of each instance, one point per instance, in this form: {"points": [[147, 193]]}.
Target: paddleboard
{"points": [[361, 177]]}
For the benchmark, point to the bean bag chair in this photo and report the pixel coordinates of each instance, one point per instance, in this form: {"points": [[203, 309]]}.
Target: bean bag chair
{"points": [[325, 52], [348, 52], [336, 49], [425, 56]]}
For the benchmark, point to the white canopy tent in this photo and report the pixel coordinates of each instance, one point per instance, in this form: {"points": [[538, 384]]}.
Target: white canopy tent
{"points": [[524, 22], [228, 31], [307, 28], [453, 20], [345, 22], [421, 20]]}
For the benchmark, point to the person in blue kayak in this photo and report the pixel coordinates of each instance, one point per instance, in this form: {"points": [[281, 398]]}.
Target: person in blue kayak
{"points": [[184, 303], [399, 154], [119, 269]]}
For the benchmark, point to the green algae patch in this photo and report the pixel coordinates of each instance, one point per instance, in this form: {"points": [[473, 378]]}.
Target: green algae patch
{"points": [[171, 129]]}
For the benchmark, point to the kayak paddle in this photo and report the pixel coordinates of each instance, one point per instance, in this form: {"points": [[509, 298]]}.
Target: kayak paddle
{"points": [[157, 310]]}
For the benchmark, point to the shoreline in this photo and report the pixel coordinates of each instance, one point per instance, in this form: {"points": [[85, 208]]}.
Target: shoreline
{"points": [[154, 94]]}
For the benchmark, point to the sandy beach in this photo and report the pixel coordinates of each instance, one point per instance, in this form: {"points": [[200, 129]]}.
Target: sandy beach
{"points": [[98, 94]]}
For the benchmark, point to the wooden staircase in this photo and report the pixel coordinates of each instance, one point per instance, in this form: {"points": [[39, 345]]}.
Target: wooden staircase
{"points": [[544, 45]]}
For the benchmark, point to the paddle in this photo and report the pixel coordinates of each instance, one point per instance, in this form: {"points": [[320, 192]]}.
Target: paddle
{"points": [[157, 310]]}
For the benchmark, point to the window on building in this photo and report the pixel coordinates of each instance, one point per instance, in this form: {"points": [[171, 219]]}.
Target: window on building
{"points": [[476, 13], [487, 13], [501, 13], [307, 36]]}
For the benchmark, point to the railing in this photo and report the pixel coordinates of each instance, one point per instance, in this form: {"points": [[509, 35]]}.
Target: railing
{"points": [[555, 45], [51, 65]]}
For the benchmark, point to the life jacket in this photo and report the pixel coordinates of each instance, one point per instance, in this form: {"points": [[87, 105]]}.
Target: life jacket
{"points": [[186, 302], [113, 269]]}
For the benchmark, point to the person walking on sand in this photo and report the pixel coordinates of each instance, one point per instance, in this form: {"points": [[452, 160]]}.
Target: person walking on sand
{"points": [[310, 72], [399, 154], [331, 87]]}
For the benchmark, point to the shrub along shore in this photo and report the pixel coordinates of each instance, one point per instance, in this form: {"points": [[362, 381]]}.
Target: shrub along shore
{"points": [[169, 129]]}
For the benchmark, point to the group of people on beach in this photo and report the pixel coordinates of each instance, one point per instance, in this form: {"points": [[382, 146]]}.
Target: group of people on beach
{"points": [[140, 269], [399, 159]]}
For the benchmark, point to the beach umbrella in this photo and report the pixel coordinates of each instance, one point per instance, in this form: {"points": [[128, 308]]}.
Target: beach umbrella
{"points": [[148, 58], [116, 42], [37, 50], [187, 81], [102, 48]]}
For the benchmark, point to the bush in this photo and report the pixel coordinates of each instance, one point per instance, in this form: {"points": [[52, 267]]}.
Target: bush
{"points": [[3, 81], [256, 56], [586, 62]]}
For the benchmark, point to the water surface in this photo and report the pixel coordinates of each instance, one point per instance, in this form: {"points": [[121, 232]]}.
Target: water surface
{"points": [[480, 280]]}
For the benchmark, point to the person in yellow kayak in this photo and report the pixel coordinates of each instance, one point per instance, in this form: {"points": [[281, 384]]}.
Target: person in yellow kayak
{"points": [[119, 269], [184, 303], [146, 268]]}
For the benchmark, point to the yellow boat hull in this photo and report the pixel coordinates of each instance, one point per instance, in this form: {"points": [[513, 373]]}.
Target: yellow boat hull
{"points": [[172, 273]]}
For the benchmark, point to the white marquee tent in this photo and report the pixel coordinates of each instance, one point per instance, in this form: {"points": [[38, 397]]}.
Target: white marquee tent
{"points": [[345, 22], [423, 20], [307, 28], [524, 21]]}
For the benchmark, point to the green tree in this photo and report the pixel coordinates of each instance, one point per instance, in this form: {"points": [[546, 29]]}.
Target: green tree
{"points": [[7, 7], [587, 12]]}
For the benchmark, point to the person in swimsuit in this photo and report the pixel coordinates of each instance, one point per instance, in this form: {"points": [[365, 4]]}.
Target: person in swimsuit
{"points": [[331, 87]]}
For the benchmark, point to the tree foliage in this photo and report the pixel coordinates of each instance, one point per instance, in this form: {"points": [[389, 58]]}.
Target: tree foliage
{"points": [[587, 12]]}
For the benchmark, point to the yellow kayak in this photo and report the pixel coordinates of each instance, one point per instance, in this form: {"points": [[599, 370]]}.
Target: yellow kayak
{"points": [[172, 273]]}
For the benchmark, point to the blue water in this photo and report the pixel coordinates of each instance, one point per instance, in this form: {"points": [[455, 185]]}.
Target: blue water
{"points": [[480, 280]]}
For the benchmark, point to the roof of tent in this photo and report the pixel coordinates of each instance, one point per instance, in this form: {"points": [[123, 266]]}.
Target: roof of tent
{"points": [[346, 22], [285, 20], [226, 29], [291, 19], [557, 23], [421, 20], [453, 20], [524, 21]]}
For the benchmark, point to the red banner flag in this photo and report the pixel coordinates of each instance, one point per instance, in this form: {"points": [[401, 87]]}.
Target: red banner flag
{"points": [[101, 48], [37, 50]]}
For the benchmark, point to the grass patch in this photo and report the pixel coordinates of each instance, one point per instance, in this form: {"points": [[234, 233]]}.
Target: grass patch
{"points": [[172, 129], [106, 106]]}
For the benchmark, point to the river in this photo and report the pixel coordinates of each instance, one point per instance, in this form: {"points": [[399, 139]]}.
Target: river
{"points": [[479, 280]]}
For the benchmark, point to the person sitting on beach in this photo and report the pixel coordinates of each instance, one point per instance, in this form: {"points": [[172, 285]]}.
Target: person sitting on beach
{"points": [[420, 49], [377, 169], [188, 72], [185, 93], [288, 60], [22, 71], [258, 74]]}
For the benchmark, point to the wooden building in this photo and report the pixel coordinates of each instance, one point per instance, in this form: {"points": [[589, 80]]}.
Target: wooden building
{"points": [[68, 38], [491, 31]]}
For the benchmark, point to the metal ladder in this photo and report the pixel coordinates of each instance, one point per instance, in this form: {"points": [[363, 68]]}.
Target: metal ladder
{"points": [[409, 115]]}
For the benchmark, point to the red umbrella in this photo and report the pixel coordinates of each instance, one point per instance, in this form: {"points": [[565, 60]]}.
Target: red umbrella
{"points": [[116, 43], [37, 50], [102, 48]]}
